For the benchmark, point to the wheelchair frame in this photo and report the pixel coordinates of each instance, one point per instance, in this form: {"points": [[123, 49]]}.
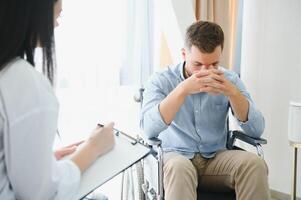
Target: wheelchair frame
{"points": [[157, 153]]}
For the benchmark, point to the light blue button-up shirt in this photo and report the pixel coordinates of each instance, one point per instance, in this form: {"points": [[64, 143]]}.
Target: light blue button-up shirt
{"points": [[200, 126]]}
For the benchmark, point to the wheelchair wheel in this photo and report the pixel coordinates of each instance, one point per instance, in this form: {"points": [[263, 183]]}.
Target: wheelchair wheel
{"points": [[132, 180]]}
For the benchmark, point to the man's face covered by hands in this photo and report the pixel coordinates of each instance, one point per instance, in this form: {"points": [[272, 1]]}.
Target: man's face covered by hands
{"points": [[202, 73], [197, 60]]}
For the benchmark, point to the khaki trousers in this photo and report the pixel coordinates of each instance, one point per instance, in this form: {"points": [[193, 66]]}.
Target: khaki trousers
{"points": [[242, 171]]}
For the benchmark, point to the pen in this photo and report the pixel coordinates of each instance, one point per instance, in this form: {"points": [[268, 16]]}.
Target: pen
{"points": [[132, 140]]}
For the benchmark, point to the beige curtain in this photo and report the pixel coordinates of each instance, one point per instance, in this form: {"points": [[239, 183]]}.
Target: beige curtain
{"points": [[223, 12], [165, 57]]}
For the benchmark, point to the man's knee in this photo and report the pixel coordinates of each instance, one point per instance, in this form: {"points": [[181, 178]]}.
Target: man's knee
{"points": [[252, 178], [253, 166], [256, 164], [181, 167]]}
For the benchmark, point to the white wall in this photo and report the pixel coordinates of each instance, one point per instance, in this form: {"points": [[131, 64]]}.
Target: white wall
{"points": [[175, 16], [271, 69]]}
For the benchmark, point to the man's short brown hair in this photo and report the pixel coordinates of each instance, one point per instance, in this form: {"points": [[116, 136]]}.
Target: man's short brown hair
{"points": [[206, 36]]}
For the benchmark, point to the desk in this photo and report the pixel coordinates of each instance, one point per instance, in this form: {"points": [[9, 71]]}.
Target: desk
{"points": [[294, 183]]}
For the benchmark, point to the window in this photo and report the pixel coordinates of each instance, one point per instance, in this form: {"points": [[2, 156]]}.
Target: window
{"points": [[90, 50], [89, 43]]}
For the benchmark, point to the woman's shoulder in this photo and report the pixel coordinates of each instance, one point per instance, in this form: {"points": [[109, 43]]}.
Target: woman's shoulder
{"points": [[23, 88], [19, 70]]}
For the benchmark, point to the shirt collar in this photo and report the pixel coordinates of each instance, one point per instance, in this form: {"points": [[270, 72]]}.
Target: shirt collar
{"points": [[181, 70]]}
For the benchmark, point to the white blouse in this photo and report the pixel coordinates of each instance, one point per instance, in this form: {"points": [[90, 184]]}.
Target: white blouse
{"points": [[28, 123]]}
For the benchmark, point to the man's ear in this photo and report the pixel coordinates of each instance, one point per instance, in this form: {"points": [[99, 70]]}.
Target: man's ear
{"points": [[183, 52]]}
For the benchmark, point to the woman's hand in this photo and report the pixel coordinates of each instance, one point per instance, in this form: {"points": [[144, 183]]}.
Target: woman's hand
{"points": [[65, 151], [100, 142], [102, 139]]}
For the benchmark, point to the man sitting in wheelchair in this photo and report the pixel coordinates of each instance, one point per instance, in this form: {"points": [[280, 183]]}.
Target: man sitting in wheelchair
{"points": [[186, 106]]}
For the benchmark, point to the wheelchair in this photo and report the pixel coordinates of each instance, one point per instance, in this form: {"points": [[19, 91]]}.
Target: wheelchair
{"points": [[150, 169]]}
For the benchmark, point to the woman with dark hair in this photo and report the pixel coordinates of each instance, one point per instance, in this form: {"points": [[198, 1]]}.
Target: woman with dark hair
{"points": [[29, 109]]}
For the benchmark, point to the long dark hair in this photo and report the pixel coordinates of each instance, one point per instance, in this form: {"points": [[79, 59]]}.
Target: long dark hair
{"points": [[24, 24]]}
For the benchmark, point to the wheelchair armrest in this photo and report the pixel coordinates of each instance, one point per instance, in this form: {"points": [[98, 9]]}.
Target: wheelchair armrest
{"points": [[154, 141], [245, 138]]}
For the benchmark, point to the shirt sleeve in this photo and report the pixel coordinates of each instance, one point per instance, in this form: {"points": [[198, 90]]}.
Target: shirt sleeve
{"points": [[151, 120], [255, 124], [33, 171]]}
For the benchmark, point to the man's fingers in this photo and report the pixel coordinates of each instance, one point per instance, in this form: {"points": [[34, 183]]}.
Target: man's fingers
{"points": [[206, 72], [211, 90], [216, 85], [218, 78], [213, 80], [202, 73], [210, 77], [217, 71], [208, 80]]}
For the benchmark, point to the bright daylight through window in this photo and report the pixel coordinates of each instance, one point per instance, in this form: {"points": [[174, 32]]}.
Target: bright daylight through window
{"points": [[90, 42]]}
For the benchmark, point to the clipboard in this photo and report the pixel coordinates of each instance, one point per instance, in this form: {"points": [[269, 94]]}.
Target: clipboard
{"points": [[126, 152]]}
